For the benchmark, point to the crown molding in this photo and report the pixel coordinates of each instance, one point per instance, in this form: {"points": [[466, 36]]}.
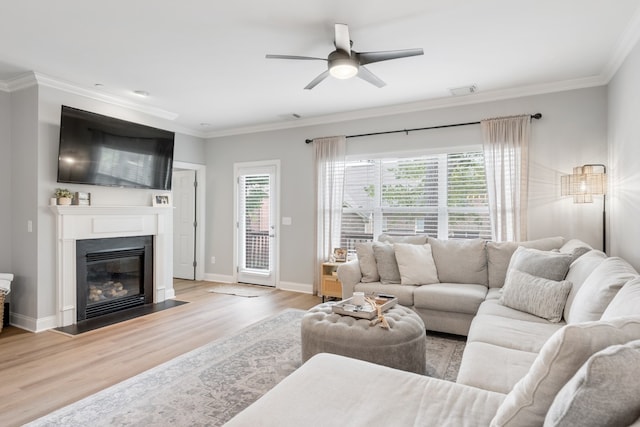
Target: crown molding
{"points": [[21, 81], [54, 83], [31, 79], [431, 104], [626, 42]]}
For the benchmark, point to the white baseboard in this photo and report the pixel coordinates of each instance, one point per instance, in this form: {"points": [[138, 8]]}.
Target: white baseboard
{"points": [[33, 325], [304, 288], [222, 278]]}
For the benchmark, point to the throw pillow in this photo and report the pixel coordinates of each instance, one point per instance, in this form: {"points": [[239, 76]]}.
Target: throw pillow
{"points": [[367, 261], [419, 239], [579, 270], [599, 288], [415, 263], [386, 263], [626, 302], [499, 254], [604, 392], [460, 261], [535, 295], [545, 264], [559, 359]]}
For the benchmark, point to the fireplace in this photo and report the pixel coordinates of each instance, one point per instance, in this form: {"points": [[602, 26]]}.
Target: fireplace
{"points": [[77, 223], [113, 274]]}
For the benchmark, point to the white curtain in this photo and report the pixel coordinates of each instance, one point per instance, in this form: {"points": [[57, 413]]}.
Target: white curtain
{"points": [[506, 142], [329, 172]]}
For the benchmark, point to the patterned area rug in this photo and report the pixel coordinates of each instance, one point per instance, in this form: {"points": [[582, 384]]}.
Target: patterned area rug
{"points": [[240, 290], [209, 385]]}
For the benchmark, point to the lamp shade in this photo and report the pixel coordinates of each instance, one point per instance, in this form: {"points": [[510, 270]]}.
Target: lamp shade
{"points": [[583, 183]]}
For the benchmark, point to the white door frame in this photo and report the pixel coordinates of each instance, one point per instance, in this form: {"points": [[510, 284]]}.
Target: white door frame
{"points": [[200, 212], [276, 214]]}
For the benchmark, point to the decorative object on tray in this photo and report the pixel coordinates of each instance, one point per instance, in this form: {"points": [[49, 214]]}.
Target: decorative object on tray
{"points": [[82, 199], [63, 196], [381, 302], [380, 319], [340, 254], [163, 200]]}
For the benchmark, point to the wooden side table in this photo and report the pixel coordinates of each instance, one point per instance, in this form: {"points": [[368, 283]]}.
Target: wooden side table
{"points": [[330, 286]]}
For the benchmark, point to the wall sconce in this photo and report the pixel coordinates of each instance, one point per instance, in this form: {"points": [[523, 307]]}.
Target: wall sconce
{"points": [[582, 184]]}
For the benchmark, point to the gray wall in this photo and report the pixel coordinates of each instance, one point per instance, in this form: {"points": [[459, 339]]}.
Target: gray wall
{"points": [[624, 152], [5, 182], [30, 132], [572, 132], [24, 185]]}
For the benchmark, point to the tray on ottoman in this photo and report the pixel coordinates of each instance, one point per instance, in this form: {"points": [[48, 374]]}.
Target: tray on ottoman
{"points": [[366, 311]]}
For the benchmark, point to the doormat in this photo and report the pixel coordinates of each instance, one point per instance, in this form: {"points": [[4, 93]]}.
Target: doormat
{"points": [[241, 290], [113, 318]]}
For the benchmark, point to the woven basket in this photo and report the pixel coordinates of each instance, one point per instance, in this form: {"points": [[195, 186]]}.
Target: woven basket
{"points": [[2, 295]]}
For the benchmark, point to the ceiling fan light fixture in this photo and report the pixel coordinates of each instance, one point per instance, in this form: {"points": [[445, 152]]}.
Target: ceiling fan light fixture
{"points": [[343, 70]]}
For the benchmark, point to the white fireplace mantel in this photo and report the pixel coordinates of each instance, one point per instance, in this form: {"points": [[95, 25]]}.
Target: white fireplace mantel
{"points": [[96, 222]]}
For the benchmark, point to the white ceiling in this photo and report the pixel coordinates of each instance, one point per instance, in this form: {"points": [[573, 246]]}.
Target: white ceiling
{"points": [[203, 61]]}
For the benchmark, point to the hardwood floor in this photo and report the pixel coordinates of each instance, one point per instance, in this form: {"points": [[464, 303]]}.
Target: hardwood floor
{"points": [[46, 371]]}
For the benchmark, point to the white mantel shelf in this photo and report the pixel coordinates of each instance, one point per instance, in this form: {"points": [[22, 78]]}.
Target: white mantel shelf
{"points": [[94, 222]]}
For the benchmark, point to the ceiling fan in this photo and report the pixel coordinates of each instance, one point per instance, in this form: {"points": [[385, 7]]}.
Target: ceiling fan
{"points": [[344, 62]]}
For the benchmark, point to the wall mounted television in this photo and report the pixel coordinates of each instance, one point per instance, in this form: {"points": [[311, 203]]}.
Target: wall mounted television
{"points": [[100, 150]]}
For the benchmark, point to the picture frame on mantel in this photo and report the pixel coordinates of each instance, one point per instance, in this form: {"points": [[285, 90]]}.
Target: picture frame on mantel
{"points": [[161, 200]]}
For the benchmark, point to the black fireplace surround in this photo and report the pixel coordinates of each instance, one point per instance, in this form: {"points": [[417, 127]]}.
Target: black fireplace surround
{"points": [[113, 274]]}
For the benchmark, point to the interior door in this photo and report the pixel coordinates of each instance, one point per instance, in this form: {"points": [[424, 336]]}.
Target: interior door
{"points": [[256, 227], [184, 224]]}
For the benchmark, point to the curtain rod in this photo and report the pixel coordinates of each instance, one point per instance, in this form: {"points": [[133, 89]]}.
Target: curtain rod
{"points": [[307, 141]]}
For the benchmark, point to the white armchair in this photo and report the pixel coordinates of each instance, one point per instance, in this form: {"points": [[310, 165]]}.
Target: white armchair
{"points": [[5, 283], [5, 288]]}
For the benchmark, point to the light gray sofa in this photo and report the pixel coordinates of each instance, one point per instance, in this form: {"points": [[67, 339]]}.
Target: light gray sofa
{"points": [[468, 272], [518, 368]]}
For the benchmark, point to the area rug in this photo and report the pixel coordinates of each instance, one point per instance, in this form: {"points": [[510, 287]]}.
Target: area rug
{"points": [[209, 385], [241, 290]]}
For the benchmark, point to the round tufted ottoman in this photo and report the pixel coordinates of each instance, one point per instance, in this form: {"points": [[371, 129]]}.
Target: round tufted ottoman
{"points": [[403, 346]]}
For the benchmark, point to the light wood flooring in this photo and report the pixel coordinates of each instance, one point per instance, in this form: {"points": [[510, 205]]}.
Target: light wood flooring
{"points": [[46, 371]]}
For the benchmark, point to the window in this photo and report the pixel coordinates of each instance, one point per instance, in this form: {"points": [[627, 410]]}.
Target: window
{"points": [[443, 195]]}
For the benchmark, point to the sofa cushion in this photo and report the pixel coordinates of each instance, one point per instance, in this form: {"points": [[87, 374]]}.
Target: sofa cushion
{"points": [[536, 295], [386, 263], [367, 260], [493, 306], [415, 263], [576, 248], [419, 239], [499, 255], [626, 302], [402, 292], [492, 367], [518, 334], [364, 394], [545, 264], [578, 272], [559, 359], [599, 288], [604, 392], [460, 261], [455, 297]]}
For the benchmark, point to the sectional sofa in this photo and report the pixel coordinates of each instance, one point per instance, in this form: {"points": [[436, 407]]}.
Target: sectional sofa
{"points": [[553, 338]]}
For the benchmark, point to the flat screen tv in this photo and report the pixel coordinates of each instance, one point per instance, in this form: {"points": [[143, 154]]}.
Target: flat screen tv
{"points": [[100, 150]]}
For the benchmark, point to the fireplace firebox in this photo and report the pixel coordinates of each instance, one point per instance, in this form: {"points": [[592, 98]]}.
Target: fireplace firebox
{"points": [[113, 274]]}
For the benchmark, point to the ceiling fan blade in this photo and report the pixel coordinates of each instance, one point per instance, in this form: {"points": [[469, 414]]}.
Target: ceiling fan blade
{"points": [[317, 80], [307, 58], [342, 40], [367, 75], [371, 57]]}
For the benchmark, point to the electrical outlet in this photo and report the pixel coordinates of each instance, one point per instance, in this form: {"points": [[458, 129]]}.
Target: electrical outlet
{"points": [[213, 260]]}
